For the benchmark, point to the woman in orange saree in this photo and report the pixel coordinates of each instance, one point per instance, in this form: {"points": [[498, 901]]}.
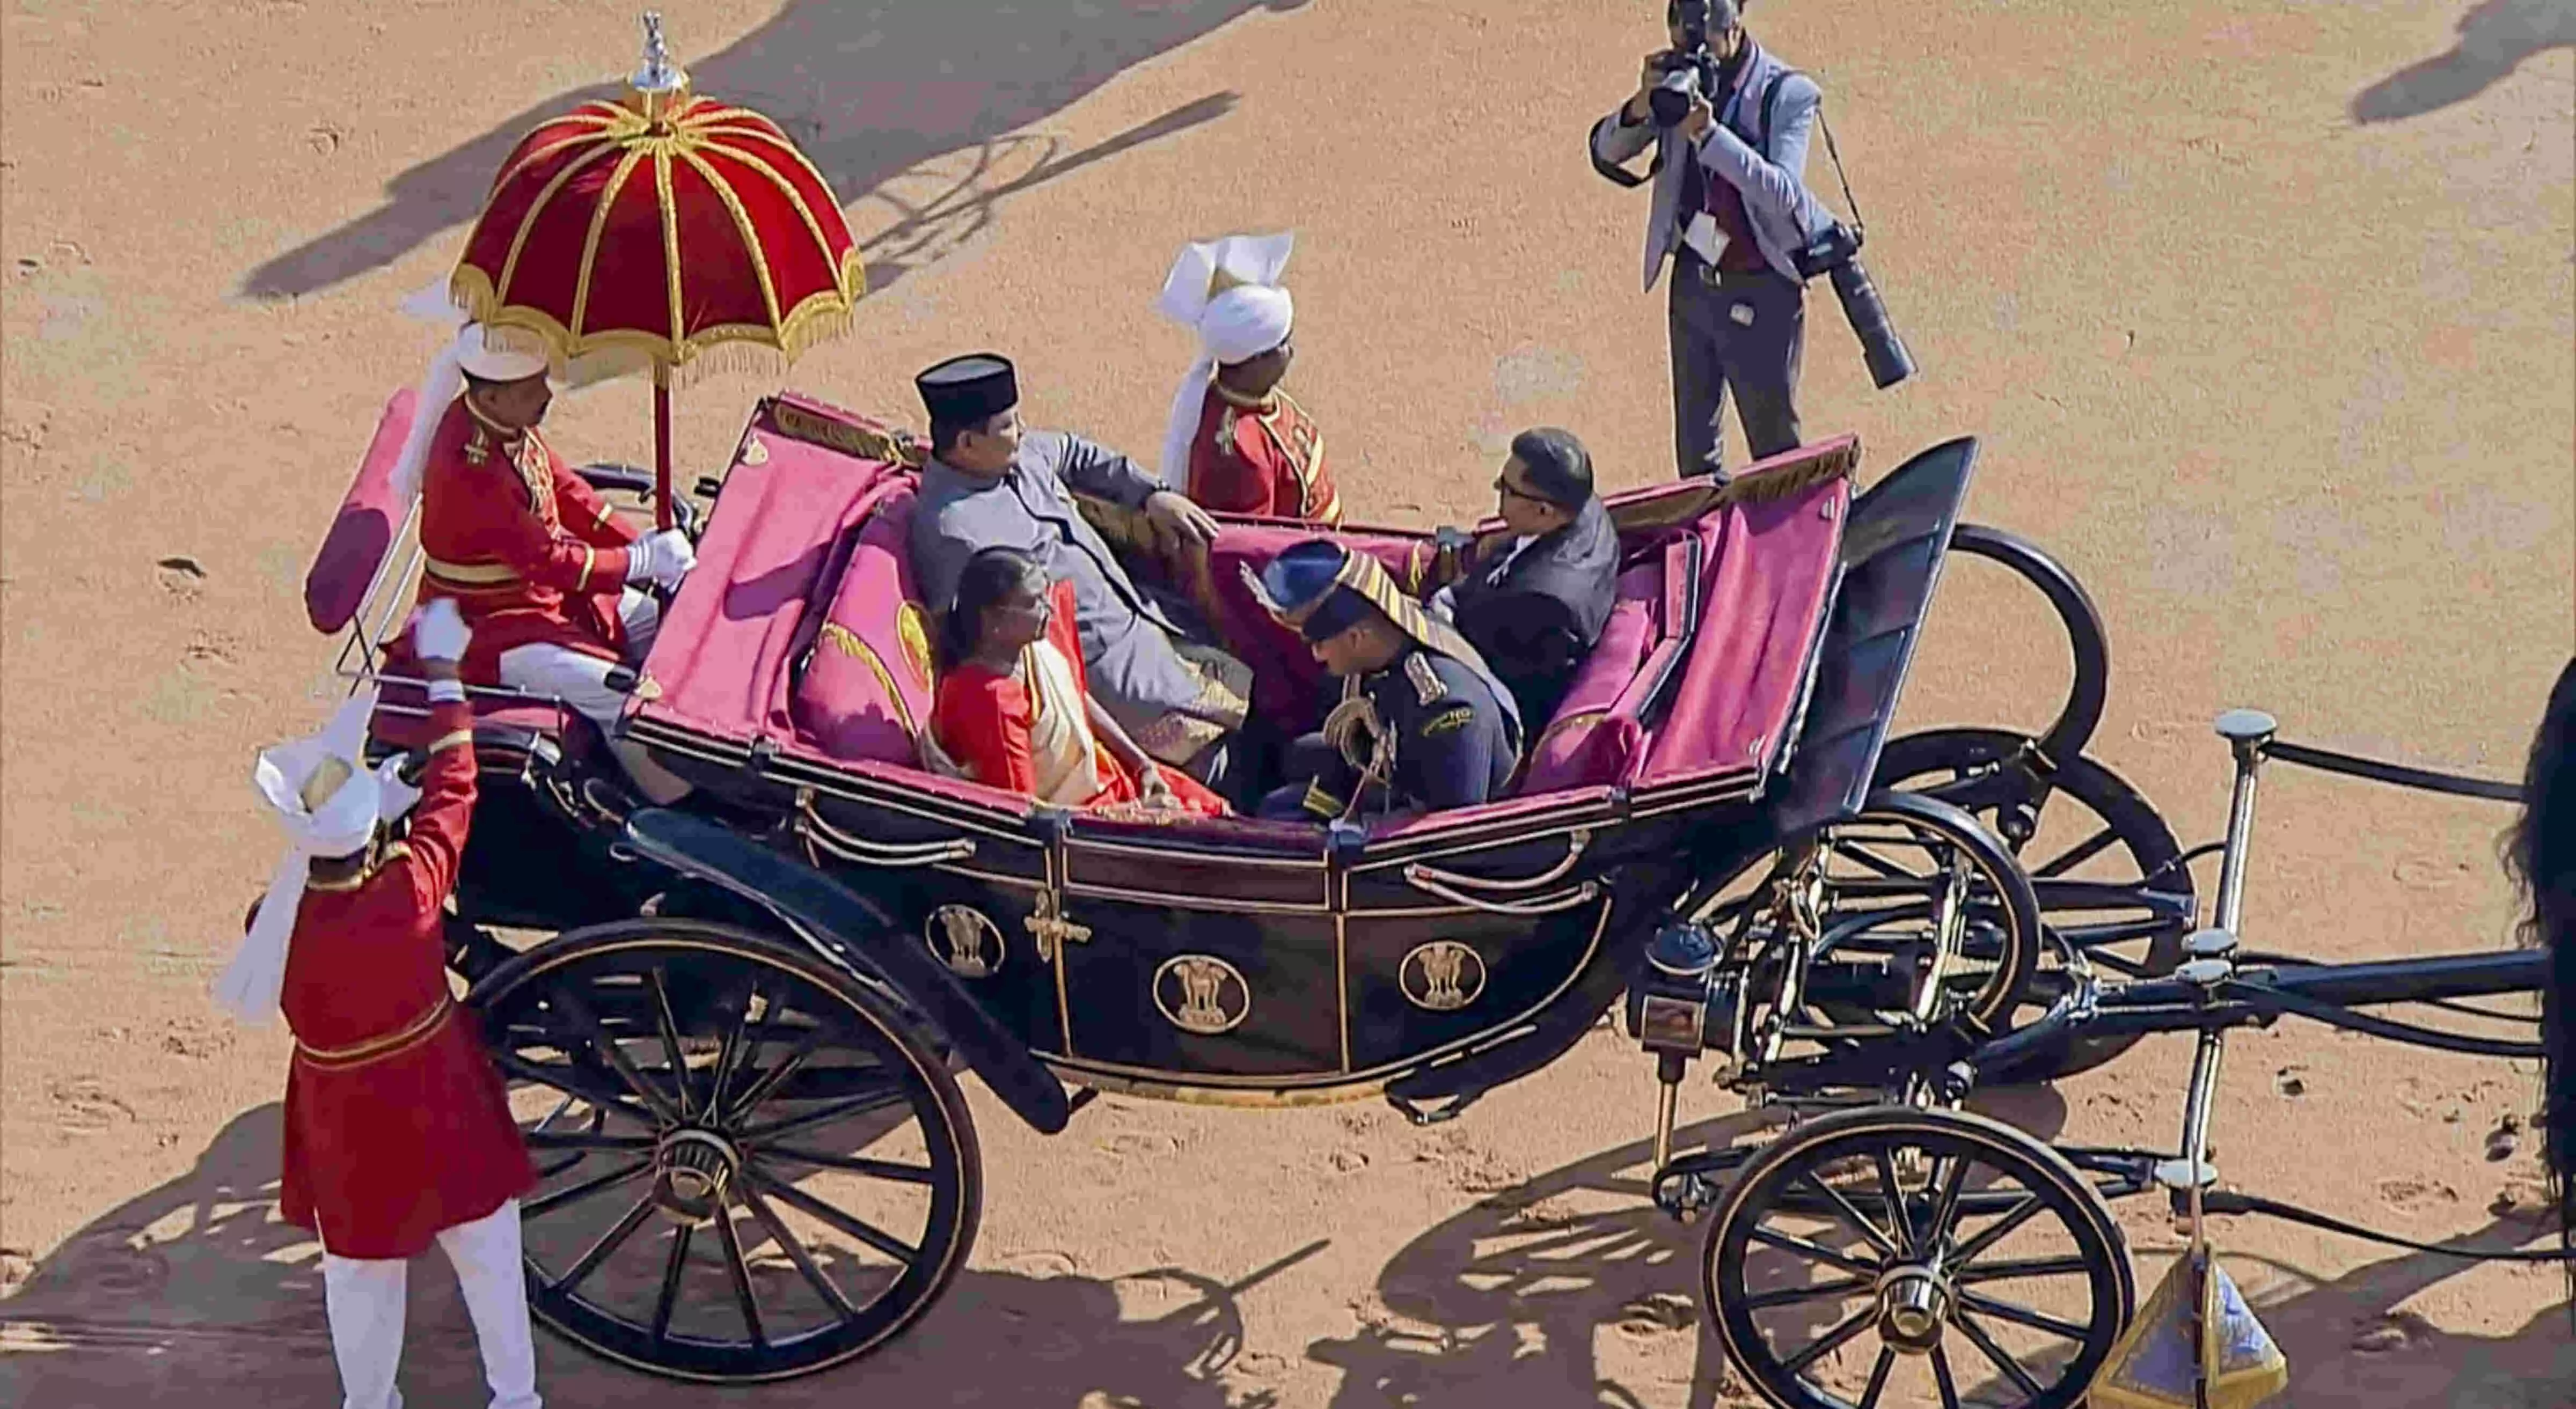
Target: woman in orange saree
{"points": [[1014, 708]]}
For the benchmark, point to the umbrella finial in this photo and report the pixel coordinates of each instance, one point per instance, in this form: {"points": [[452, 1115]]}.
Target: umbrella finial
{"points": [[659, 82]]}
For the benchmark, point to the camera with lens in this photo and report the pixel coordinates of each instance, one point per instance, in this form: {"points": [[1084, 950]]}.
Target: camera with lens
{"points": [[1836, 255], [1689, 71]]}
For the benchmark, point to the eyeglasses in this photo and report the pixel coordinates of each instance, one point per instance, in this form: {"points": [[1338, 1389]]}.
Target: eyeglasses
{"points": [[1510, 490]]}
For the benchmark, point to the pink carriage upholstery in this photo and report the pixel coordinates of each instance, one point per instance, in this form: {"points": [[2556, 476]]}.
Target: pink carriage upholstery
{"points": [[721, 658], [1586, 743], [866, 688], [335, 586], [1763, 593]]}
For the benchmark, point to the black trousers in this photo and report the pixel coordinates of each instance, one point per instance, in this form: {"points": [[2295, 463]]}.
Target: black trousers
{"points": [[1733, 333]]}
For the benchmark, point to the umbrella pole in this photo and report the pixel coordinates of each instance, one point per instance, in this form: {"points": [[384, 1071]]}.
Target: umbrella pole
{"points": [[661, 446]]}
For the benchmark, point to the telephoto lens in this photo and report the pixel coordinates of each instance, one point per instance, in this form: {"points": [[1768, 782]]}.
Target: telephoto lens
{"points": [[1880, 347]]}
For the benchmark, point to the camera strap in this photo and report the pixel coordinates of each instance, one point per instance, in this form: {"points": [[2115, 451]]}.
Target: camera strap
{"points": [[1770, 98]]}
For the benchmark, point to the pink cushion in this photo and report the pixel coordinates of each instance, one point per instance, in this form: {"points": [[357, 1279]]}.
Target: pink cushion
{"points": [[345, 565], [788, 508], [1584, 744], [866, 690]]}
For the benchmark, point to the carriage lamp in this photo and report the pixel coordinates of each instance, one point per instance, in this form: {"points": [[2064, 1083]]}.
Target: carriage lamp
{"points": [[1679, 1006]]}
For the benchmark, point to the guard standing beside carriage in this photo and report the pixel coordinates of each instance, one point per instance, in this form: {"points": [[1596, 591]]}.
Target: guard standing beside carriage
{"points": [[1423, 724], [398, 1129]]}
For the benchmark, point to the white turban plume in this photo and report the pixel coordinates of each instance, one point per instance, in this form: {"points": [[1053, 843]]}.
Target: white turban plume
{"points": [[469, 350], [1227, 292], [329, 805]]}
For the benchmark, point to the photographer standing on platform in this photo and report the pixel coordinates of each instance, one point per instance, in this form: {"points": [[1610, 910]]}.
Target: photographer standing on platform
{"points": [[1730, 125]]}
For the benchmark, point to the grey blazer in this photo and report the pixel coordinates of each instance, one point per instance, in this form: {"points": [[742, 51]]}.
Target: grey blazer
{"points": [[1785, 215]]}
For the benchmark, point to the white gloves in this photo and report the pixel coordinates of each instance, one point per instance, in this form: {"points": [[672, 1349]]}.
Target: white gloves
{"points": [[661, 557], [439, 633]]}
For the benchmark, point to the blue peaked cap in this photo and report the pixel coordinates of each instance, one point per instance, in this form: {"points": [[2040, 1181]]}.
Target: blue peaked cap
{"points": [[1306, 591]]}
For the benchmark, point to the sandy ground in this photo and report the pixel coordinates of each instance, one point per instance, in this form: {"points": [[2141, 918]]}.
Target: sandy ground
{"points": [[2261, 308]]}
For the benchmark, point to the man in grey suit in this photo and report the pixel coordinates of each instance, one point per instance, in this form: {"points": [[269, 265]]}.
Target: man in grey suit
{"points": [[990, 484], [1732, 210]]}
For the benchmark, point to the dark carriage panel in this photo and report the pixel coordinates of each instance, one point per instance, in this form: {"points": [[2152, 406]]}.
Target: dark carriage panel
{"points": [[1892, 550], [985, 931], [1425, 982], [1205, 995]]}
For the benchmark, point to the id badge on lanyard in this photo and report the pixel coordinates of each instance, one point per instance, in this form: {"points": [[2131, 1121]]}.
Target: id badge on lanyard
{"points": [[1700, 232]]}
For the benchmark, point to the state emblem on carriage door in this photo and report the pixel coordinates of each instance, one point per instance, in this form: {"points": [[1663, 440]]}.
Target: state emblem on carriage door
{"points": [[1442, 976], [1201, 993], [965, 940]]}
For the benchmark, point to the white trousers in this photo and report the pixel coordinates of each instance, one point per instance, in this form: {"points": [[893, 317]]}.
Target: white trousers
{"points": [[367, 1299], [581, 681]]}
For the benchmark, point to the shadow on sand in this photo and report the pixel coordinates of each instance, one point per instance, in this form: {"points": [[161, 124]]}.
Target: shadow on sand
{"points": [[194, 1293], [2494, 38], [904, 103]]}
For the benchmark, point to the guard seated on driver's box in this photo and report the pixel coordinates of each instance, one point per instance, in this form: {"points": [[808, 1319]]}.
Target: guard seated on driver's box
{"points": [[1422, 723]]}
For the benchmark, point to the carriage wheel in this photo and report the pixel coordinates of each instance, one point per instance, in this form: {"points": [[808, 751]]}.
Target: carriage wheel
{"points": [[1912, 885], [2107, 871], [753, 1166], [1888, 1256]]}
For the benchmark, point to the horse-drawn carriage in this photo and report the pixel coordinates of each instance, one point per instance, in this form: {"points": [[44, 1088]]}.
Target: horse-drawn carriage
{"points": [[732, 1026]]}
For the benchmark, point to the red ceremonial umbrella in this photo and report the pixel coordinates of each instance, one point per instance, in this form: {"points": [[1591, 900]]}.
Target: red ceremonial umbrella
{"points": [[658, 226]]}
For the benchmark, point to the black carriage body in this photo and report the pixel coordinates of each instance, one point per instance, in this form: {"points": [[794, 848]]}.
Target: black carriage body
{"points": [[1242, 962]]}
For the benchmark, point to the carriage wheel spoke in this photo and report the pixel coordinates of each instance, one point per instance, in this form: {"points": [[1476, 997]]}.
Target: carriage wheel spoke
{"points": [[740, 1271], [776, 1076], [2077, 854], [670, 1026], [1850, 1214], [608, 1243], [574, 1193], [1997, 1231], [1950, 1175], [850, 1224], [1876, 862], [615, 1056], [2021, 1267], [572, 1081], [734, 1049], [1941, 1377], [2012, 1368], [2022, 1316], [796, 1250], [1812, 1291], [1898, 1221], [855, 1164], [1832, 1340], [1878, 1377], [676, 1264], [842, 1109], [1791, 1242]]}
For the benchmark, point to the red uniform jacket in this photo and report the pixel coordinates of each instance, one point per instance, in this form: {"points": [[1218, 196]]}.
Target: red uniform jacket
{"points": [[397, 1124], [530, 553], [982, 720], [1261, 457]]}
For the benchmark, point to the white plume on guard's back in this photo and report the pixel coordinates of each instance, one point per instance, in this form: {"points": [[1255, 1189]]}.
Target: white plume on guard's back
{"points": [[329, 805], [1226, 292]]}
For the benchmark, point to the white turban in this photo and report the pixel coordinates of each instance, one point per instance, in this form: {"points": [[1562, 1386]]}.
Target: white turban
{"points": [[470, 350], [329, 805], [1227, 292]]}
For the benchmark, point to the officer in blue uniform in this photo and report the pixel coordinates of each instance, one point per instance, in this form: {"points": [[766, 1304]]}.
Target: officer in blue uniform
{"points": [[1422, 722]]}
